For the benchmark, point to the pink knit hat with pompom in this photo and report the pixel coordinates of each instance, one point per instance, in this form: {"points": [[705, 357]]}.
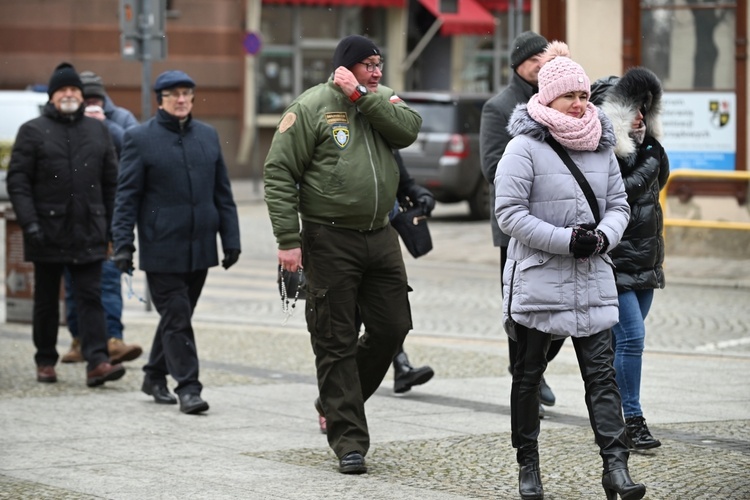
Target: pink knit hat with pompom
{"points": [[560, 74]]}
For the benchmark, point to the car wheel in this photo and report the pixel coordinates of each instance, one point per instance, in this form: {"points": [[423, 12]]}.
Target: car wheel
{"points": [[479, 203]]}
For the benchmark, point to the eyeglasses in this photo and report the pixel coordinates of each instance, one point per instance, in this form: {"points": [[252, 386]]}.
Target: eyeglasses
{"points": [[371, 66], [176, 94]]}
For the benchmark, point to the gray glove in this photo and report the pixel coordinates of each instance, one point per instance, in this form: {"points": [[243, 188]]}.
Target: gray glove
{"points": [[33, 235], [123, 260]]}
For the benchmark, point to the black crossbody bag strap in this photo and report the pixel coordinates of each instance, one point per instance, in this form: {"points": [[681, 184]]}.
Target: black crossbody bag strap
{"points": [[585, 187]]}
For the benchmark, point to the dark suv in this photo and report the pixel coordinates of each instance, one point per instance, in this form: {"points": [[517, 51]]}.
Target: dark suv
{"points": [[445, 157]]}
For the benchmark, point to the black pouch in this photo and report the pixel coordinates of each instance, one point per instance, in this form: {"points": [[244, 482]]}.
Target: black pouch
{"points": [[411, 225], [293, 282]]}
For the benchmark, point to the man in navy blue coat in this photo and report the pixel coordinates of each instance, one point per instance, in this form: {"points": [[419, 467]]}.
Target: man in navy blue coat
{"points": [[174, 185]]}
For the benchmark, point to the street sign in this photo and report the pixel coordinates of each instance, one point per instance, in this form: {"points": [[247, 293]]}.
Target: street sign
{"points": [[252, 43], [142, 29]]}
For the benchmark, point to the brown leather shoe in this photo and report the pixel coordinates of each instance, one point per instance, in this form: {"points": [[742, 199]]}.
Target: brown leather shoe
{"points": [[105, 372], [74, 354], [119, 351], [46, 374]]}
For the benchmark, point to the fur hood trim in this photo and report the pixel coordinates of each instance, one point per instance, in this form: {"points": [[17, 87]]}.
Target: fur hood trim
{"points": [[620, 98], [521, 123]]}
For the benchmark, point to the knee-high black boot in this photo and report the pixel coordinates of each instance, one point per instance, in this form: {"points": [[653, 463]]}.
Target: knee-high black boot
{"points": [[524, 402], [595, 359]]}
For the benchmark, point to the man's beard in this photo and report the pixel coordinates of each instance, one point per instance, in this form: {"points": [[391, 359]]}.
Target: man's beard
{"points": [[69, 105]]}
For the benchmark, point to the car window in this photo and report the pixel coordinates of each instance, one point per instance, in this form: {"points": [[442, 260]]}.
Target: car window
{"points": [[437, 117], [449, 117]]}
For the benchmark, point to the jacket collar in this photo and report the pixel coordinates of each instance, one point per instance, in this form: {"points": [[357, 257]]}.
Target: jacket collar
{"points": [[52, 112], [171, 122], [527, 89]]}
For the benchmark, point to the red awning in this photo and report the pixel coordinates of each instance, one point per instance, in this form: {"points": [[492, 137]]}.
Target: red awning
{"points": [[471, 18], [502, 5], [340, 3]]}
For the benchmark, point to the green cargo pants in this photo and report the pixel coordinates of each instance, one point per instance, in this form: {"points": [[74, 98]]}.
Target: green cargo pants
{"points": [[346, 269]]}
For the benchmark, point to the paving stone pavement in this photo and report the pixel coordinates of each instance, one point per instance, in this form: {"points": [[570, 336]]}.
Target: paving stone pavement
{"points": [[448, 439]]}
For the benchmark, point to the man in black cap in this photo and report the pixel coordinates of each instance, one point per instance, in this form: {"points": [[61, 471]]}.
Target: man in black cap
{"points": [[174, 185], [61, 181], [100, 106], [331, 164], [526, 59]]}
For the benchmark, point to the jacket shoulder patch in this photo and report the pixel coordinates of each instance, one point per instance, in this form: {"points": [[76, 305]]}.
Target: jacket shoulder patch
{"points": [[287, 122]]}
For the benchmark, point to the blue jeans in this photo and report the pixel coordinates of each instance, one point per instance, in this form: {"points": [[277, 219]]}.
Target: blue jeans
{"points": [[111, 301], [628, 342]]}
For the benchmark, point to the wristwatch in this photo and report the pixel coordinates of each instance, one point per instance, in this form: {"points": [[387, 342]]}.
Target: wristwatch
{"points": [[359, 91]]}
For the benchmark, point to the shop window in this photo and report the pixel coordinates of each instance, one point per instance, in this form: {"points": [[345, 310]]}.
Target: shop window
{"points": [[276, 25], [275, 82], [688, 44], [298, 48]]}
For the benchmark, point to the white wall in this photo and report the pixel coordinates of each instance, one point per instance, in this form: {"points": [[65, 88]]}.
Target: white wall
{"points": [[594, 34]]}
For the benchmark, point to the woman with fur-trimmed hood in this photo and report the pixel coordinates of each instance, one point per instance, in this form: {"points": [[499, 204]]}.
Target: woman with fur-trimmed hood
{"points": [[558, 280], [633, 104]]}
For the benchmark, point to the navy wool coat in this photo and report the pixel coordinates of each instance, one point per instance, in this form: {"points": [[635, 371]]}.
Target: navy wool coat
{"points": [[173, 184]]}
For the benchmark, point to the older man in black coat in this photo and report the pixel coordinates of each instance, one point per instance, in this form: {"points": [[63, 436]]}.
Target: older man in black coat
{"points": [[174, 185], [61, 181]]}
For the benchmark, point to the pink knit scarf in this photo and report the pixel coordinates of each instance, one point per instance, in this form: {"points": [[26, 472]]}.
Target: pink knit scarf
{"points": [[579, 134]]}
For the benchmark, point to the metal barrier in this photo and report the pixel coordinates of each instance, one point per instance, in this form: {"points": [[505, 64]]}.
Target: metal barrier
{"points": [[732, 175]]}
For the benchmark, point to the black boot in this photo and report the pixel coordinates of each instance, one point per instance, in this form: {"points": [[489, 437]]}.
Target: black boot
{"points": [[618, 482], [595, 360], [405, 376], [546, 396], [530, 482], [526, 410], [640, 436]]}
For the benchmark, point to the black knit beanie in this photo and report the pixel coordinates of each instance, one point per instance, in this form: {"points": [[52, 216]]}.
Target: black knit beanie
{"points": [[526, 45], [93, 85], [353, 49], [65, 75]]}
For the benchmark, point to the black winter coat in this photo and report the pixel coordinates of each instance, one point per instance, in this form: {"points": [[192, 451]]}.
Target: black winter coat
{"points": [[63, 176], [645, 169], [174, 186], [639, 257]]}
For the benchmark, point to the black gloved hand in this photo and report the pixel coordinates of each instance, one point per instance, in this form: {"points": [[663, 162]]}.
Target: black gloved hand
{"points": [[123, 260], [33, 235], [423, 197], [602, 242], [231, 256], [583, 243]]}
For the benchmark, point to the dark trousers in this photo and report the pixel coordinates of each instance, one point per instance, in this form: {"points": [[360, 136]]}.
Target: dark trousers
{"points": [[556, 345], [111, 301], [86, 281], [345, 270], [358, 327], [173, 351], [595, 361]]}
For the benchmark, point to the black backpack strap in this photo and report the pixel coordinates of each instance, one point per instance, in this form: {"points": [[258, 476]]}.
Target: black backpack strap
{"points": [[585, 187]]}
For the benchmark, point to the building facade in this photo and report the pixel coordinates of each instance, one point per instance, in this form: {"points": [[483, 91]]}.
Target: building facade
{"points": [[458, 45]]}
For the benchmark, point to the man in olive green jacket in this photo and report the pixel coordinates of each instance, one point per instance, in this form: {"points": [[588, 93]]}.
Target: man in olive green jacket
{"points": [[331, 165]]}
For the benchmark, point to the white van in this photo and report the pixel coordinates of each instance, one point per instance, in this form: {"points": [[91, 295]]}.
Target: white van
{"points": [[16, 108]]}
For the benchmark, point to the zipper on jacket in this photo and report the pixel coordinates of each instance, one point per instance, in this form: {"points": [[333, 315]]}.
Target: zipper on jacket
{"points": [[372, 166]]}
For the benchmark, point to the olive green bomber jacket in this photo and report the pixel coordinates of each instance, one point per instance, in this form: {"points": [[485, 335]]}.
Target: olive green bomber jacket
{"points": [[331, 160]]}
